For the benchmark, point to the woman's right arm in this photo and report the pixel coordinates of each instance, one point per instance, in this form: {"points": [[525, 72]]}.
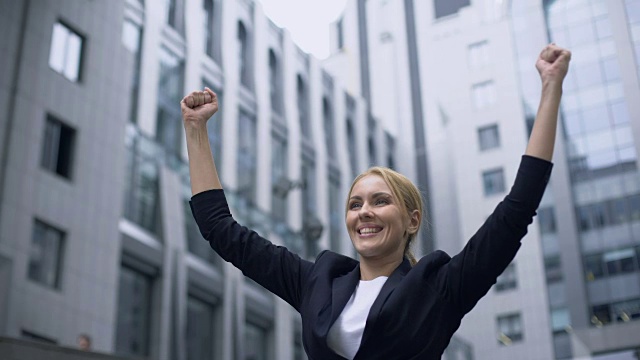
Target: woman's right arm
{"points": [[274, 267], [197, 108]]}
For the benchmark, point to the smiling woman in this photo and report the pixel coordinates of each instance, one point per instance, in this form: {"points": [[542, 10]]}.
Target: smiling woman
{"points": [[386, 305]]}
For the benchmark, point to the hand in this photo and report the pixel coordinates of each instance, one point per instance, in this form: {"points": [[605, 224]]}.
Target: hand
{"points": [[198, 107], [553, 64]]}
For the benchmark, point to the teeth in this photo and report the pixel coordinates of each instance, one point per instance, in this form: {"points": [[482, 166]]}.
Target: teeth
{"points": [[369, 230]]}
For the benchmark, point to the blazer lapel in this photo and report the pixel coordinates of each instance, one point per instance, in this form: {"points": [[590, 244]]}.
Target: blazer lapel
{"points": [[396, 277], [341, 290]]}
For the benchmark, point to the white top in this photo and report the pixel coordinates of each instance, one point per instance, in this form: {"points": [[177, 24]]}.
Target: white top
{"points": [[346, 333]]}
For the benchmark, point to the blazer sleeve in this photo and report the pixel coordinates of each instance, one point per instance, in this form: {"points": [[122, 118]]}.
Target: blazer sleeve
{"points": [[274, 267], [469, 275]]}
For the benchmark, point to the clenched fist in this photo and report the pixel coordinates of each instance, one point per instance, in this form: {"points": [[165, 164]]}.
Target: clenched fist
{"points": [[198, 107], [553, 63]]}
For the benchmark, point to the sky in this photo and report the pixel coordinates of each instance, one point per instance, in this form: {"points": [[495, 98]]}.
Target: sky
{"points": [[307, 21]]}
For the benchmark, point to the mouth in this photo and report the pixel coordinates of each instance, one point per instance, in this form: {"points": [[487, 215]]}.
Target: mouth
{"points": [[369, 230]]}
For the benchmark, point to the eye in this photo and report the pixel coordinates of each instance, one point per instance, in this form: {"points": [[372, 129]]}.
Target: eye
{"points": [[382, 202], [354, 205]]}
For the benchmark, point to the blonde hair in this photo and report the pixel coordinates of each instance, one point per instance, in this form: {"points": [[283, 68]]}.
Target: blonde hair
{"points": [[405, 192]]}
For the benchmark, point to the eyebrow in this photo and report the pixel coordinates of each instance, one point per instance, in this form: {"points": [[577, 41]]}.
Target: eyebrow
{"points": [[375, 195]]}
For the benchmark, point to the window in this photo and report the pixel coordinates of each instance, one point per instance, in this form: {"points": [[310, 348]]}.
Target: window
{"points": [[619, 261], [279, 174], [553, 269], [175, 15], [547, 220], [479, 55], [391, 149], [509, 329], [340, 31], [171, 81], [483, 94], [46, 254], [65, 56], [170, 89], [303, 108], [312, 228], [371, 143], [508, 279], [351, 141], [58, 147], [448, 7], [622, 311], [488, 137], [275, 83], [247, 156], [255, 345], [493, 181], [329, 135], [560, 320], [142, 194], [336, 213], [200, 329], [134, 312], [214, 127], [593, 267], [243, 55], [208, 8], [131, 39]]}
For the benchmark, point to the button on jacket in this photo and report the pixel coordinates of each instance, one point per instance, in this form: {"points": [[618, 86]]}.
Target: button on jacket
{"points": [[418, 309]]}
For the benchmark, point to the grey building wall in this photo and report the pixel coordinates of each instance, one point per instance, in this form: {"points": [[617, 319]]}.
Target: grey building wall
{"points": [[123, 211], [96, 108]]}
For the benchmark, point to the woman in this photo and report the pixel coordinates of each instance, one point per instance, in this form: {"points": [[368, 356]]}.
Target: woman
{"points": [[384, 306]]}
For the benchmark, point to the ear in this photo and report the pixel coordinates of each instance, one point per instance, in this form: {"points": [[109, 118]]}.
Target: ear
{"points": [[414, 222]]}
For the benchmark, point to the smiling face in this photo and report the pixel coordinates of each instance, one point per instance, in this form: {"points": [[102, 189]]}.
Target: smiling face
{"points": [[377, 223]]}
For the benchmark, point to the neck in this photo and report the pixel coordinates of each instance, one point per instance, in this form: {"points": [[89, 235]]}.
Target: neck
{"points": [[373, 268]]}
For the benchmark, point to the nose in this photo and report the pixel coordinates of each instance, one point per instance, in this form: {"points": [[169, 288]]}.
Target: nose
{"points": [[365, 212]]}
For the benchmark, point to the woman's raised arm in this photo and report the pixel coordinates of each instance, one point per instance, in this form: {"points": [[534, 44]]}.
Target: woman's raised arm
{"points": [[552, 64], [197, 108]]}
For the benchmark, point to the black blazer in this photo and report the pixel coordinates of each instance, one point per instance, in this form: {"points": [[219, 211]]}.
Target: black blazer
{"points": [[418, 309]]}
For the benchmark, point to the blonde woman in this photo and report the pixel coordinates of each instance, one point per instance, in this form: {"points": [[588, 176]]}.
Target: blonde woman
{"points": [[386, 305]]}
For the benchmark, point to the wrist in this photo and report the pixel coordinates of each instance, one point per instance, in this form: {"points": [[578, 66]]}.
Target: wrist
{"points": [[195, 127], [552, 85]]}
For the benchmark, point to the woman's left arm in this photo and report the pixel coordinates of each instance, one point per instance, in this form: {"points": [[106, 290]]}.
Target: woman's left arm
{"points": [[552, 64], [469, 275]]}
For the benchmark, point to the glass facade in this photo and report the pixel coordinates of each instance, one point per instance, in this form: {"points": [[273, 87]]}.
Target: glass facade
{"points": [[601, 147], [600, 150]]}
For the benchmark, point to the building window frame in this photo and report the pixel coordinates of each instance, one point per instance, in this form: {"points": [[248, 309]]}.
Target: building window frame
{"points": [[66, 55], [46, 256]]}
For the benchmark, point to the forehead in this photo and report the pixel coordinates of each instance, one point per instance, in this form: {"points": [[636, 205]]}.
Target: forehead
{"points": [[370, 184]]}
